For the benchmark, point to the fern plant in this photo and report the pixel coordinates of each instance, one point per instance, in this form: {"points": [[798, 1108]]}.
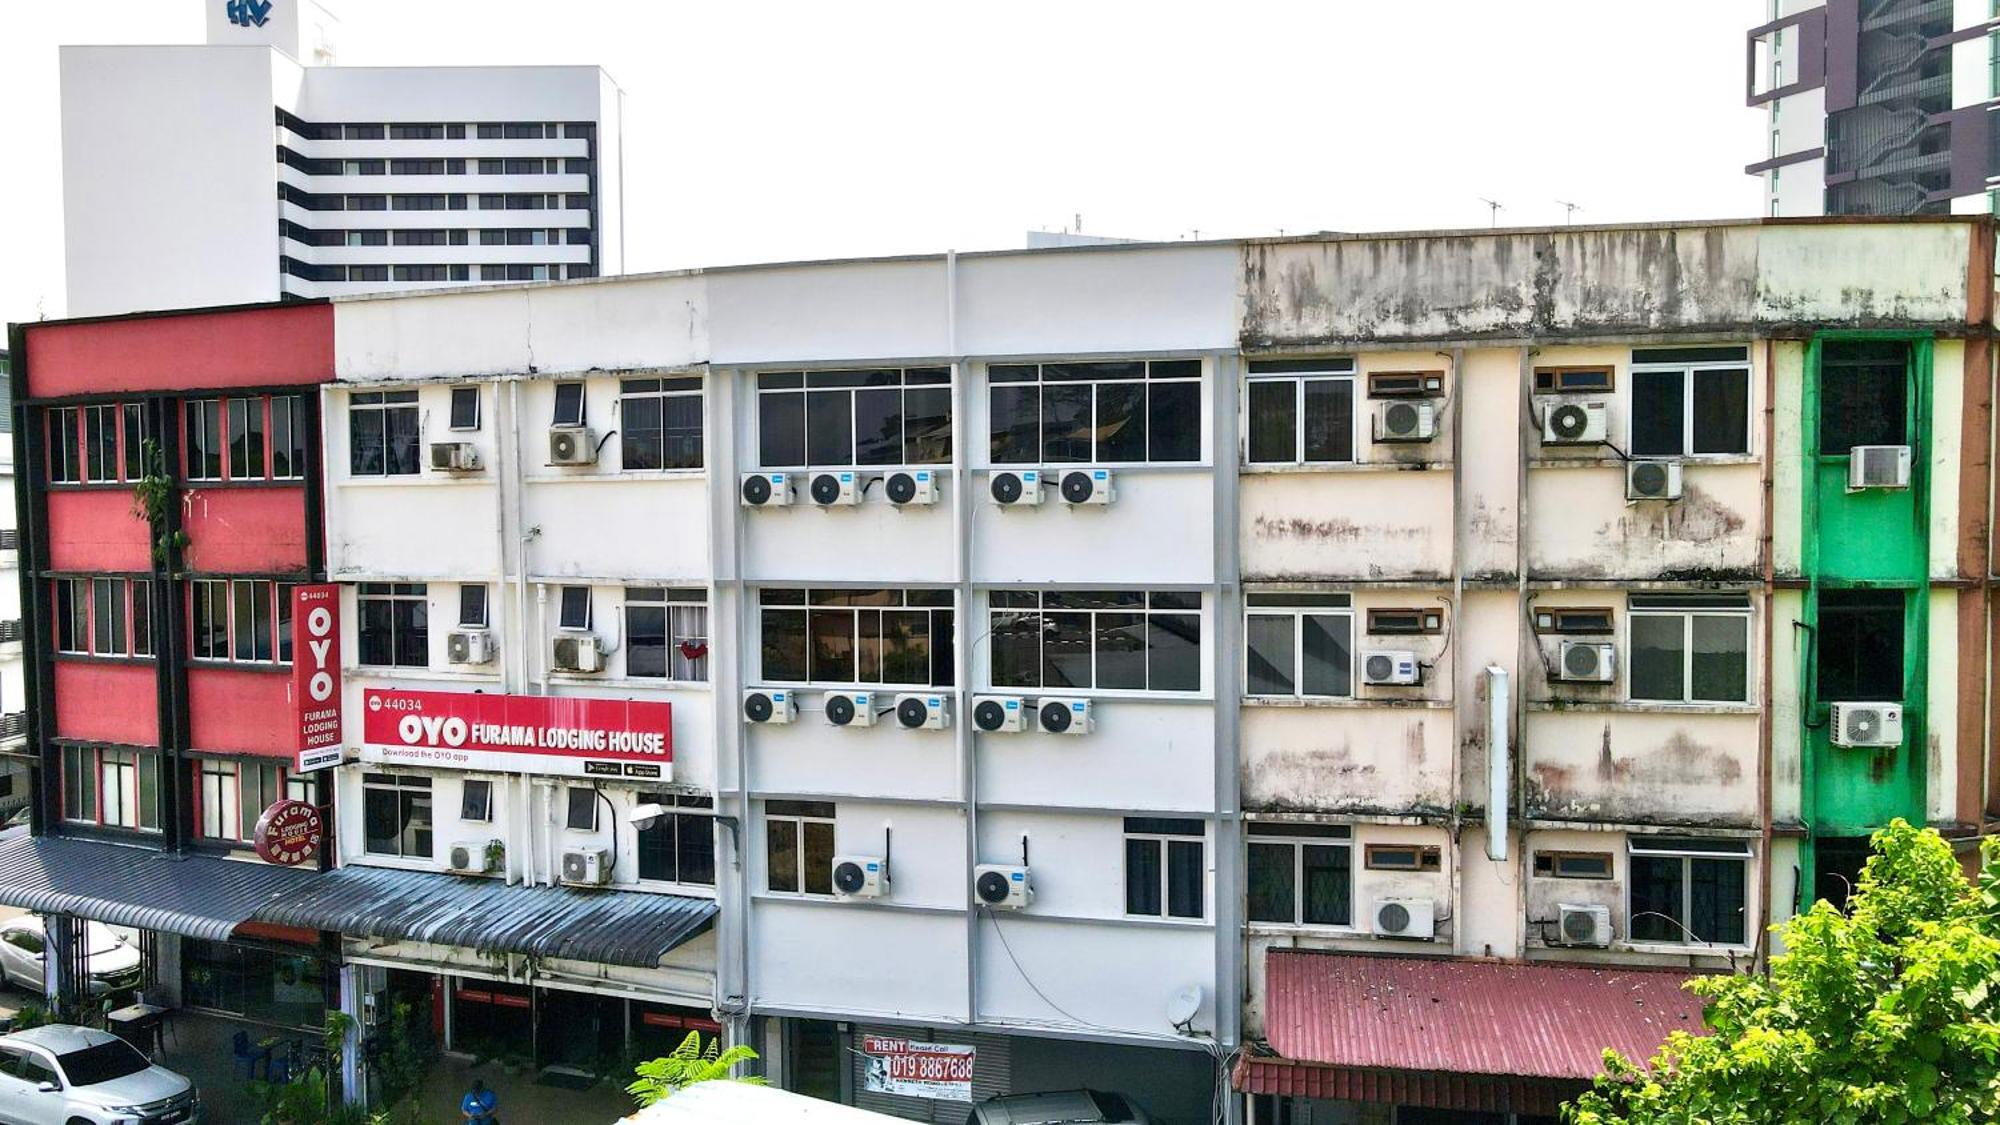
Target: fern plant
{"points": [[686, 1065]]}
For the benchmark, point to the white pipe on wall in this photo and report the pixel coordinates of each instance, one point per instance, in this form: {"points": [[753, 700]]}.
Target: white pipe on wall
{"points": [[1497, 761]]}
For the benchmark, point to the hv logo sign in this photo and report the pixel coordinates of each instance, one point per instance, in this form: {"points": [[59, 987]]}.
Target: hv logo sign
{"points": [[249, 13]]}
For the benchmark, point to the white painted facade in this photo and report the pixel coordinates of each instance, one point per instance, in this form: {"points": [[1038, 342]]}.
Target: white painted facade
{"points": [[250, 169]]}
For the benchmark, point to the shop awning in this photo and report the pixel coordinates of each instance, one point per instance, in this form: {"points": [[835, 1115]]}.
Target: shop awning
{"points": [[145, 888], [609, 927], [1454, 1033]]}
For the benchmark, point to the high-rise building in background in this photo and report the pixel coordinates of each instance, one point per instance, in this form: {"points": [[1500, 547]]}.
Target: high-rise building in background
{"points": [[250, 168], [1876, 107]]}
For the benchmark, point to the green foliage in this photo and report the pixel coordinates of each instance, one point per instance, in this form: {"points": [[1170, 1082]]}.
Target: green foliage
{"points": [[152, 493], [406, 1056], [687, 1065], [1889, 1012], [295, 1102], [32, 1015]]}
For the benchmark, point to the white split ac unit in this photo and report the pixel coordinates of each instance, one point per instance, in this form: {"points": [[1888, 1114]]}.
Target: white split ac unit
{"points": [[1878, 466], [767, 490], [577, 652], [1411, 918], [586, 867], [912, 486], [1000, 714], [1587, 662], [1405, 420], [1064, 716], [470, 857], [837, 489], [1867, 724], [1652, 480], [454, 457], [572, 445], [917, 711], [470, 646], [860, 876], [1015, 488], [1087, 486], [1390, 667], [1002, 886], [1583, 927], [849, 708], [769, 705], [1574, 423]]}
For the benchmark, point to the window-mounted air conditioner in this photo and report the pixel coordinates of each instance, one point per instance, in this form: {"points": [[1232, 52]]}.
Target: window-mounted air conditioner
{"points": [[454, 457], [470, 646], [1587, 662], [1878, 466], [1867, 724]]}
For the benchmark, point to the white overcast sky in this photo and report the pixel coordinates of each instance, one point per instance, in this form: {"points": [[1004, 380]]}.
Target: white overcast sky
{"points": [[766, 130]]}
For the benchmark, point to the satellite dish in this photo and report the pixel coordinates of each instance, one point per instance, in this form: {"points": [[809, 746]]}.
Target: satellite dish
{"points": [[1182, 1004]]}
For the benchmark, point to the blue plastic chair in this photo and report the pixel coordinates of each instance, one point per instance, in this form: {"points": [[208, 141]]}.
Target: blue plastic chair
{"points": [[246, 1057]]}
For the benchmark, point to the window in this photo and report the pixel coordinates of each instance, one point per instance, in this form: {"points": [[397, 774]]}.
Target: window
{"points": [[100, 443], [666, 633], [1300, 411], [250, 620], [1401, 857], [107, 616], [368, 238], [569, 405], [660, 423], [1105, 640], [263, 785], [1690, 401], [227, 438], [302, 787], [1164, 866], [79, 767], [423, 273], [246, 438], [103, 616], [382, 433], [1573, 865], [1299, 645], [363, 132], [416, 132], [465, 408], [679, 847], [142, 616], [1573, 380], [1859, 646], [367, 203], [396, 815], [798, 847], [135, 440], [289, 426], [892, 416], [1104, 413], [395, 624], [582, 809], [65, 463], [1864, 391], [236, 619], [113, 787], [72, 614], [1690, 648], [472, 606], [575, 608], [1580, 620], [475, 799], [857, 636], [1688, 891], [1301, 874], [434, 167]]}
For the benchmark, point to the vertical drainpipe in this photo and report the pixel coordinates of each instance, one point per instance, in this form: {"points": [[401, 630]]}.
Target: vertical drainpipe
{"points": [[1455, 386], [521, 536], [965, 742], [728, 660], [1766, 730], [1524, 633], [1228, 629]]}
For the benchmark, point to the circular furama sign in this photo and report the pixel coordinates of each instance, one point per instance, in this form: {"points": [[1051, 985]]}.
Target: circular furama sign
{"points": [[288, 832]]}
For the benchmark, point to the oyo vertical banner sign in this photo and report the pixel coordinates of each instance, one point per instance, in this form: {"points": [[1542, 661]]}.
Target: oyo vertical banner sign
{"points": [[316, 674]]}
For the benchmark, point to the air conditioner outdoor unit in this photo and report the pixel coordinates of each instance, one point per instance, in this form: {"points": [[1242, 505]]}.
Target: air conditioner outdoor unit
{"points": [[1088, 486], [454, 457], [1878, 466], [577, 652], [470, 646], [1412, 918], [1014, 488], [1390, 667], [769, 705], [1001, 714], [572, 445], [849, 708], [1652, 480], [913, 486], [767, 490], [916, 711], [1587, 662], [1064, 716], [1867, 724], [1405, 420], [471, 857], [1583, 927], [1002, 886], [836, 489], [860, 876], [586, 867], [1573, 423]]}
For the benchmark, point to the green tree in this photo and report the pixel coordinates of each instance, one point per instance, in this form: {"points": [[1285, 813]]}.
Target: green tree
{"points": [[687, 1065], [1888, 1012]]}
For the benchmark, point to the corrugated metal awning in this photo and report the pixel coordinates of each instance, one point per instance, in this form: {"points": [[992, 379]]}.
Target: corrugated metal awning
{"points": [[194, 896], [608, 927]]}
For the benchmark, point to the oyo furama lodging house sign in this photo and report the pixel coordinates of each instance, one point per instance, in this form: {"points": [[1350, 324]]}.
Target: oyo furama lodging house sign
{"points": [[316, 675], [288, 832], [518, 733]]}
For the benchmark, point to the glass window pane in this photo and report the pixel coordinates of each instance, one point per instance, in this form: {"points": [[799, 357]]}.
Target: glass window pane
{"points": [[781, 430], [403, 440], [680, 432], [1271, 889], [906, 646], [829, 428], [416, 838], [135, 441], [1715, 900], [1864, 395], [1722, 411], [1327, 667], [1329, 425], [1121, 650], [1184, 878], [244, 615], [1016, 649], [1721, 657], [1066, 650], [1658, 663], [365, 442], [1121, 422], [1269, 641], [1326, 885], [695, 840], [381, 821], [645, 640], [1657, 412], [781, 855], [1066, 423], [1273, 421], [784, 644], [833, 658], [1173, 659], [927, 426], [818, 858], [1174, 416], [1015, 426], [1142, 877], [878, 426], [1860, 649], [639, 444], [1656, 898], [412, 617]]}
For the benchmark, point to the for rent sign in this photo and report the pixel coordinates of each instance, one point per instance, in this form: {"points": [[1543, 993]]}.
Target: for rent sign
{"points": [[919, 1070], [316, 675], [521, 733]]}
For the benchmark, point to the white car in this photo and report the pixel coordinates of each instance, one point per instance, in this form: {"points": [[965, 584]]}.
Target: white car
{"points": [[113, 962], [63, 1075], [1070, 1107]]}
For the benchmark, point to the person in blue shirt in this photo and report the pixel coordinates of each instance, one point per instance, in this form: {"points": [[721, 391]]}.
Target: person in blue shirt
{"points": [[478, 1105]]}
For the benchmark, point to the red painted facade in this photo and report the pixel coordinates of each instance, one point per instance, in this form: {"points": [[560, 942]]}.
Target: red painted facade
{"points": [[106, 702], [95, 530], [245, 530], [234, 711], [277, 345]]}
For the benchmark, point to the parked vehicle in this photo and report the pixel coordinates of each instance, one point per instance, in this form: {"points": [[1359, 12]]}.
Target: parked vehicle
{"points": [[113, 963], [1069, 1107], [58, 1074]]}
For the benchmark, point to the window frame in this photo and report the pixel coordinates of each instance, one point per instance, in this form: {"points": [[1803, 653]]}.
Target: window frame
{"points": [[130, 766], [676, 605], [1690, 372], [482, 619], [1297, 373], [396, 595], [385, 405], [407, 790], [464, 394], [1163, 842], [1145, 609], [663, 388], [941, 622], [483, 787], [1691, 849], [274, 597], [1146, 380], [1270, 834], [77, 621], [679, 807], [1297, 613], [1428, 857], [1558, 857], [64, 435], [808, 385], [796, 816], [1687, 614], [558, 415]]}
